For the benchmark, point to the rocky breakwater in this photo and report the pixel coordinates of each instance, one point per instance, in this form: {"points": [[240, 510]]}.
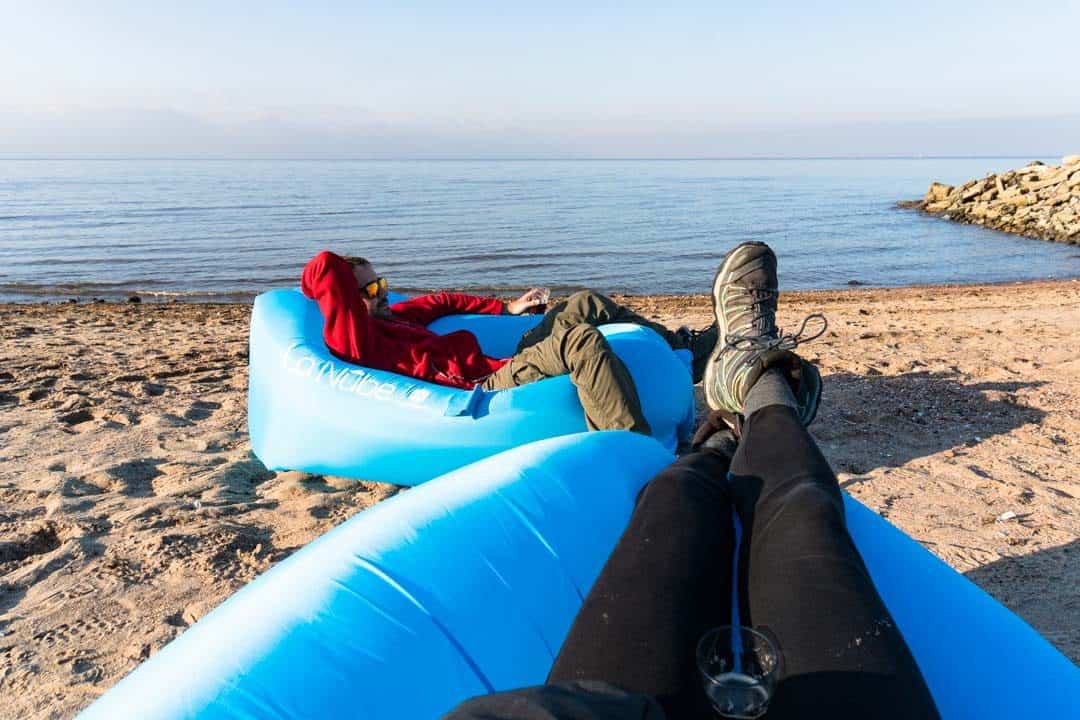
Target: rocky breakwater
{"points": [[1038, 200]]}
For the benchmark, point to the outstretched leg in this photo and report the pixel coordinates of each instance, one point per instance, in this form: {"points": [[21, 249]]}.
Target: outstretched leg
{"points": [[591, 308], [667, 582], [801, 576], [805, 582], [604, 385]]}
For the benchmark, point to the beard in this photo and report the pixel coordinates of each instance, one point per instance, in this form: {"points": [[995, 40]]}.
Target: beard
{"points": [[382, 309]]}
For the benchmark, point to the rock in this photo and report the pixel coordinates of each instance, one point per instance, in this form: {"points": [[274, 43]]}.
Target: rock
{"points": [[137, 650], [134, 299], [192, 613], [1038, 200], [855, 283], [937, 192], [974, 191]]}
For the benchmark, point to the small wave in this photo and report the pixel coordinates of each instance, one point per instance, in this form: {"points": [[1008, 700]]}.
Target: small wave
{"points": [[517, 255], [17, 292]]}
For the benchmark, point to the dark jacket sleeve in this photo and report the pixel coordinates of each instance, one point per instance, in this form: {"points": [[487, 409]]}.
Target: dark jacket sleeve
{"points": [[349, 331], [425, 309]]}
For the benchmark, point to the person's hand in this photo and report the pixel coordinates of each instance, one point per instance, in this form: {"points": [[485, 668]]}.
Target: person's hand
{"points": [[531, 299]]}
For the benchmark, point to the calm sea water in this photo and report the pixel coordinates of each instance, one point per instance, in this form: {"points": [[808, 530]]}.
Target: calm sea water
{"points": [[200, 230]]}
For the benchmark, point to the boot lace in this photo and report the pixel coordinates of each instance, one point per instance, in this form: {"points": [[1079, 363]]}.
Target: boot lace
{"points": [[760, 344]]}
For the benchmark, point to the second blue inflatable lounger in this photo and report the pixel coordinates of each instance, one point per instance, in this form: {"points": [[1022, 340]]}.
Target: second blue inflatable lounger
{"points": [[309, 411], [470, 583]]}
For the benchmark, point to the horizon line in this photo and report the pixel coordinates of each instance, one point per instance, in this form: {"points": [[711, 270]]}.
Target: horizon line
{"points": [[524, 158]]}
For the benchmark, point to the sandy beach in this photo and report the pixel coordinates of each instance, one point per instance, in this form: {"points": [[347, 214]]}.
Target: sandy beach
{"points": [[131, 504]]}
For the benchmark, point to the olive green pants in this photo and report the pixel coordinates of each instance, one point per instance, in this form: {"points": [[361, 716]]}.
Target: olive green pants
{"points": [[567, 342]]}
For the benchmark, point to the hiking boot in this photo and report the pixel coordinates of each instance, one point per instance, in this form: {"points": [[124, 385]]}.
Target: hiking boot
{"points": [[700, 343], [806, 384], [744, 296]]}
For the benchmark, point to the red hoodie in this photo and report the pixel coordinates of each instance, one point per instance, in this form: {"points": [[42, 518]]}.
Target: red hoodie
{"points": [[401, 344]]}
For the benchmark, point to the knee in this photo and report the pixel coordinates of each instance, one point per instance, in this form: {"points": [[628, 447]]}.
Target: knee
{"points": [[581, 295], [585, 299], [811, 499], [583, 337], [682, 485]]}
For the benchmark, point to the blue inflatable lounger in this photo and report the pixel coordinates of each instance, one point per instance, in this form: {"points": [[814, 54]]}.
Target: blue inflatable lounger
{"points": [[309, 411], [470, 583]]}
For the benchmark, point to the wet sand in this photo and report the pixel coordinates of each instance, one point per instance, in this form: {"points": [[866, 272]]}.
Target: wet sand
{"points": [[130, 502]]}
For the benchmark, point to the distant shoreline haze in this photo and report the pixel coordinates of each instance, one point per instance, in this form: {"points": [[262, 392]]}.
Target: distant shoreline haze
{"points": [[168, 133], [1024, 157]]}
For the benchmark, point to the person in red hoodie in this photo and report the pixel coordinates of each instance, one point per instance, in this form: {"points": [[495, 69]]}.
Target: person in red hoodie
{"points": [[362, 327]]}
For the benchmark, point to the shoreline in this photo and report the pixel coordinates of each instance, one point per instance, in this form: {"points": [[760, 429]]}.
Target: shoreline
{"points": [[246, 298], [131, 504]]}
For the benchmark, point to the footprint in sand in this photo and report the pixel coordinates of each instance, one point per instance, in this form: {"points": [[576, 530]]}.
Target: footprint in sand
{"points": [[39, 541], [135, 478], [121, 568], [167, 374], [41, 388], [10, 595], [239, 481], [201, 410], [76, 487], [77, 417], [39, 394], [68, 634], [127, 418], [166, 420], [84, 669], [153, 389]]}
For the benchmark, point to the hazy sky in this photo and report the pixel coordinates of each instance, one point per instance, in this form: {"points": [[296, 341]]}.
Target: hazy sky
{"points": [[464, 78]]}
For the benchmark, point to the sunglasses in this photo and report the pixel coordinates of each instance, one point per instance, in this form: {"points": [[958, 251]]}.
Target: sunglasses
{"points": [[375, 288]]}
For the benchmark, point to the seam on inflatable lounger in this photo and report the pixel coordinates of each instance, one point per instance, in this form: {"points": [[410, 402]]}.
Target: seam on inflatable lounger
{"points": [[400, 587], [521, 611], [378, 611], [521, 514], [259, 702], [517, 514]]}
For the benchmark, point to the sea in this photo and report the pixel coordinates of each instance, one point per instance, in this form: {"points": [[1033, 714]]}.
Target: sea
{"points": [[226, 230]]}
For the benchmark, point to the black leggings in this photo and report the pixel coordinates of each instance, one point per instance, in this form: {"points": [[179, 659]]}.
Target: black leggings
{"points": [[801, 579]]}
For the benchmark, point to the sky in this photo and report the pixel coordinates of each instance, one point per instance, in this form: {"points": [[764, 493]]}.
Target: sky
{"points": [[552, 79]]}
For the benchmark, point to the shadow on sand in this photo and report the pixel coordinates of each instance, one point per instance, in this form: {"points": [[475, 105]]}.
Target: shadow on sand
{"points": [[867, 422], [1043, 588]]}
